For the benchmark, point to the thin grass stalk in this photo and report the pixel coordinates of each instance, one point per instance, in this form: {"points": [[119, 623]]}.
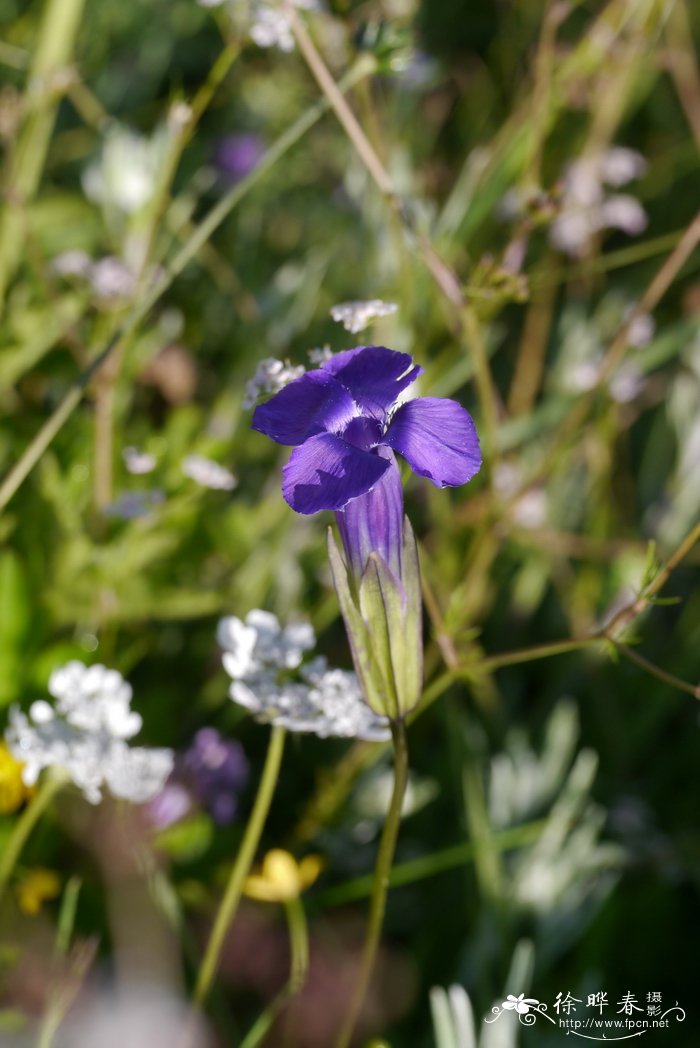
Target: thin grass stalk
{"points": [[53, 51], [49, 787], [382, 873], [241, 867]]}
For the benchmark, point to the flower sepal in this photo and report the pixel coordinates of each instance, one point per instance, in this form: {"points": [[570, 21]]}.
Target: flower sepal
{"points": [[382, 616]]}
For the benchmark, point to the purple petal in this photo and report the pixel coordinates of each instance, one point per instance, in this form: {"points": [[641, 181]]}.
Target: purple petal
{"points": [[373, 523], [325, 473], [373, 375], [438, 439], [312, 404]]}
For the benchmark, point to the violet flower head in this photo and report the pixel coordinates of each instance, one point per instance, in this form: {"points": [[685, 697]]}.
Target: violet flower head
{"points": [[238, 154], [217, 770], [345, 421]]}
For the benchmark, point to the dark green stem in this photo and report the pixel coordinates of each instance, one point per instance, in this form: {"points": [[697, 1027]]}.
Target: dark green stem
{"points": [[382, 871]]}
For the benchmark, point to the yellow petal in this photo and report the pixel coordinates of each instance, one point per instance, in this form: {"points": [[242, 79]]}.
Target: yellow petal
{"points": [[281, 871], [13, 792], [309, 869], [257, 887], [35, 888]]}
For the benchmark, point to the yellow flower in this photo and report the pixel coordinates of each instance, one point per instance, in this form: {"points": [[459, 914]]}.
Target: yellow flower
{"points": [[35, 888], [282, 878], [13, 792]]}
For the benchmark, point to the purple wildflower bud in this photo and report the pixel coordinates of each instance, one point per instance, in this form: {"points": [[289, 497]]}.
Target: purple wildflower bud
{"points": [[217, 770], [345, 420], [237, 155]]}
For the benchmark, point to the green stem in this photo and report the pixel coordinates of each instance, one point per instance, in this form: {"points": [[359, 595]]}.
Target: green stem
{"points": [[431, 865], [299, 946], [382, 872], [52, 52], [241, 867], [50, 785]]}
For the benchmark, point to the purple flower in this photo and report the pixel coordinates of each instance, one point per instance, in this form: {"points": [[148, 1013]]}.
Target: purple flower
{"points": [[217, 770], [344, 423], [236, 155]]}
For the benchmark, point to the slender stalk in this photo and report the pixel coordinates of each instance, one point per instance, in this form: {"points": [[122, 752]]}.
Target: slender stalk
{"points": [[299, 947], [52, 52], [50, 785], [657, 671], [241, 867], [431, 865], [382, 872]]}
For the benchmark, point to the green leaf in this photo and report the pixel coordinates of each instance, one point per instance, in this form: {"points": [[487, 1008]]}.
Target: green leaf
{"points": [[15, 622]]}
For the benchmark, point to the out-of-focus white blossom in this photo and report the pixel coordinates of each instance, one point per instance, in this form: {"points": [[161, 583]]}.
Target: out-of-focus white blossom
{"points": [[641, 330], [86, 735], [270, 27], [356, 316], [265, 662], [620, 165], [261, 643], [138, 1013], [627, 383], [586, 209], [138, 462], [271, 375], [208, 474], [73, 263], [531, 510], [111, 279], [125, 175], [320, 355]]}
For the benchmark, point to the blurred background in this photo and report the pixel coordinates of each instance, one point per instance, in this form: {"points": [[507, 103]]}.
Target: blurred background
{"points": [[542, 161]]}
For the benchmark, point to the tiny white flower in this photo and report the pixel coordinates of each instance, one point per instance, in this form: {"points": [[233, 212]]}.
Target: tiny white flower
{"points": [[620, 165], [111, 279], [72, 264], [125, 175], [86, 735], [261, 657], [355, 316], [208, 474], [271, 375], [320, 355], [138, 462]]}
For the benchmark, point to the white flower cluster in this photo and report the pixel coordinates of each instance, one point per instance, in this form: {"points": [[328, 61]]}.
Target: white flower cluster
{"points": [[125, 175], [86, 735], [356, 316], [110, 278], [267, 24], [138, 462], [587, 209], [265, 660], [271, 375], [208, 474]]}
